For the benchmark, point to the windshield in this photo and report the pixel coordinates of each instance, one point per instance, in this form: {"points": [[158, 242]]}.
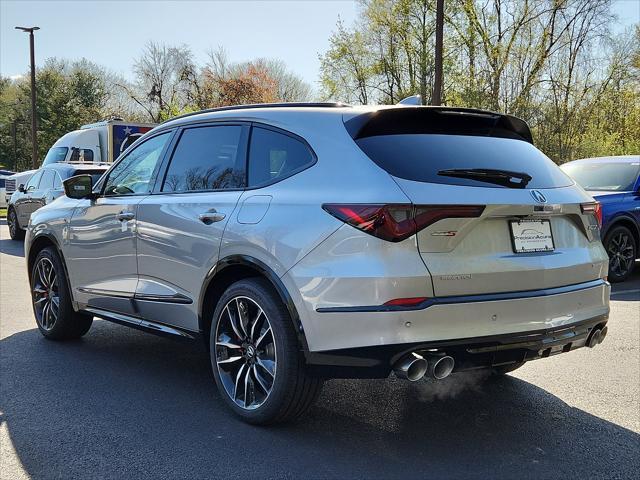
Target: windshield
{"points": [[55, 155], [464, 160], [607, 177]]}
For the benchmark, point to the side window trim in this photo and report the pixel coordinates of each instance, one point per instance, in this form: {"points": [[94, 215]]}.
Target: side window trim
{"points": [[243, 148], [281, 131], [154, 176]]}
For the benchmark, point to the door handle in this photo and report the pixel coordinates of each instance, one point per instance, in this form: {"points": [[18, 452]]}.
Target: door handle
{"points": [[211, 217], [125, 216]]}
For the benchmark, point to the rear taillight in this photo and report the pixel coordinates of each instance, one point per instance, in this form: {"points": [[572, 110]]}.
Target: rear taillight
{"points": [[396, 222], [593, 208]]}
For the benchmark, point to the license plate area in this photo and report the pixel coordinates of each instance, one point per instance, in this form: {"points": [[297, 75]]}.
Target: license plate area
{"points": [[531, 235]]}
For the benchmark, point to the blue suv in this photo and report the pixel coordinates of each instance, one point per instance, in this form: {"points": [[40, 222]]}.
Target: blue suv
{"points": [[615, 183]]}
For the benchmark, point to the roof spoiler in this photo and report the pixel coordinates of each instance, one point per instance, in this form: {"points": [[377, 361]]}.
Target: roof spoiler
{"points": [[408, 119]]}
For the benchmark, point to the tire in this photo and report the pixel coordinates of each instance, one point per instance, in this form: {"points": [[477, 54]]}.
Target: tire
{"points": [[15, 232], [622, 249], [51, 299], [256, 361], [504, 369]]}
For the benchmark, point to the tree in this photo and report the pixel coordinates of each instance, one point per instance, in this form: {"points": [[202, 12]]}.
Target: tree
{"points": [[162, 80], [552, 62]]}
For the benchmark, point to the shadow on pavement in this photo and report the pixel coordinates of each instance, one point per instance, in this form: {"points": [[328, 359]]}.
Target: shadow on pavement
{"points": [[12, 247], [123, 404]]}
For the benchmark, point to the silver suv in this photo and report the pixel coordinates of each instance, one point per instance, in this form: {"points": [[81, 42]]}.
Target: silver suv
{"points": [[310, 241]]}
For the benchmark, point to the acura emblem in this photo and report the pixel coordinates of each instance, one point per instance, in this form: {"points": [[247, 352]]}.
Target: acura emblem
{"points": [[538, 196]]}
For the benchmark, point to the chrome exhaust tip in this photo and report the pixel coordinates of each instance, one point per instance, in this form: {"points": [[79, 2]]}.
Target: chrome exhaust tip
{"points": [[440, 366], [595, 338], [412, 367], [603, 333]]}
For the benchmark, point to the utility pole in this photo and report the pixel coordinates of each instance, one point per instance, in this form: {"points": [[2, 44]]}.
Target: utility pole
{"points": [[34, 124], [436, 98]]}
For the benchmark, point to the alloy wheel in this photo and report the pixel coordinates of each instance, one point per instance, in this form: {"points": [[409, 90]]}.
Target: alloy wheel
{"points": [[621, 254], [46, 297], [12, 223], [245, 352]]}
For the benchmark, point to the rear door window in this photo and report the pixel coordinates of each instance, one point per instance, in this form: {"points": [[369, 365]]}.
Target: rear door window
{"points": [[46, 182], [428, 157], [57, 182], [274, 156], [206, 158]]}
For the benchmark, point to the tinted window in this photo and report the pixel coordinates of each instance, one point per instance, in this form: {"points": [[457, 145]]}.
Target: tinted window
{"points": [[607, 176], [133, 174], [206, 158], [81, 155], [420, 157], [274, 155], [33, 182], [55, 155], [47, 180]]}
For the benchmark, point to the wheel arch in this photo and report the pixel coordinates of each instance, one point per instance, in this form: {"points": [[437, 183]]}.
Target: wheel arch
{"points": [[39, 243], [232, 269], [627, 221]]}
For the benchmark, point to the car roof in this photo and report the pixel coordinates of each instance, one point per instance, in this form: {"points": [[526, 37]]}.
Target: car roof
{"points": [[290, 114], [612, 159]]}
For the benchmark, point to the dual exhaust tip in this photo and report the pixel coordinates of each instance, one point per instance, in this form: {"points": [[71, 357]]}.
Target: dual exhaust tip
{"points": [[597, 336], [415, 366]]}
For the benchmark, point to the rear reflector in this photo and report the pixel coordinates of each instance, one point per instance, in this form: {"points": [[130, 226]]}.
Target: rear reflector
{"points": [[594, 208], [396, 222], [405, 302]]}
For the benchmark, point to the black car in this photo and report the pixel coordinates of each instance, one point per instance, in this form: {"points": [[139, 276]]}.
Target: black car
{"points": [[43, 187]]}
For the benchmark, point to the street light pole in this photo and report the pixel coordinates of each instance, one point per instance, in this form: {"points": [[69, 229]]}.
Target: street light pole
{"points": [[436, 98], [34, 126]]}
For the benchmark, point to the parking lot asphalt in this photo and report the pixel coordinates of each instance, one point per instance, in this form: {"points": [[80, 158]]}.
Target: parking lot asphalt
{"points": [[124, 404]]}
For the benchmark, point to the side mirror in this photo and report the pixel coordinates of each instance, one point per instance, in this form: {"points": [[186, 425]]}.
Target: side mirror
{"points": [[80, 186], [21, 188]]}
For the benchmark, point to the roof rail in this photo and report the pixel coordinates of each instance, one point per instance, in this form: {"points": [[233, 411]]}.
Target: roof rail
{"points": [[261, 105]]}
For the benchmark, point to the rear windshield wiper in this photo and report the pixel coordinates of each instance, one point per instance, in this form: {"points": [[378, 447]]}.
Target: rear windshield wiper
{"points": [[505, 178]]}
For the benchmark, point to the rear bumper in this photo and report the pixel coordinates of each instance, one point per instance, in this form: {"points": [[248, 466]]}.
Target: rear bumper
{"points": [[469, 353], [377, 336]]}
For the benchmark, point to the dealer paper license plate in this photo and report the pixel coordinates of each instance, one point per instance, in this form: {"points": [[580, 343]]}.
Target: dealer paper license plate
{"points": [[531, 236]]}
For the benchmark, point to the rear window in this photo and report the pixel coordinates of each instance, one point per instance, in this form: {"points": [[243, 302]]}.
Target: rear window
{"points": [[427, 157], [606, 176]]}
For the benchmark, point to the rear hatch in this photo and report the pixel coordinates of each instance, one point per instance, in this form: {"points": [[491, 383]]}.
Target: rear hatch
{"points": [[531, 227]]}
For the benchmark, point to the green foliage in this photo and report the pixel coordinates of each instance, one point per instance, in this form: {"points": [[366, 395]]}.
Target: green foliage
{"points": [[68, 96]]}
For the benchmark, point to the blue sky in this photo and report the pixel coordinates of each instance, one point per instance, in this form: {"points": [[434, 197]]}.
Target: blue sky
{"points": [[112, 33]]}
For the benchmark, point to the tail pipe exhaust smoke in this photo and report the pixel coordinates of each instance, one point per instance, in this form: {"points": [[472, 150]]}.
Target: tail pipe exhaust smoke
{"points": [[412, 367]]}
